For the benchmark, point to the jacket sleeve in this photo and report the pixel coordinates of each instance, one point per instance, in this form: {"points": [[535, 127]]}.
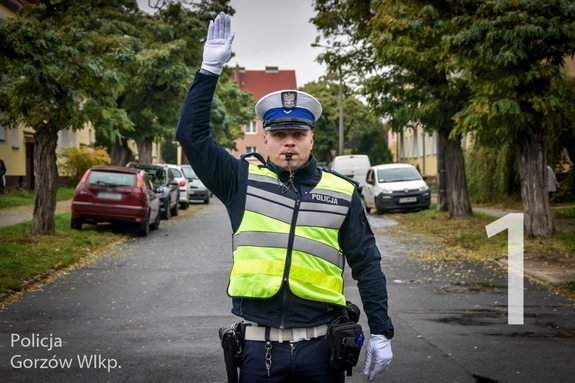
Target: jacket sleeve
{"points": [[358, 244], [215, 167]]}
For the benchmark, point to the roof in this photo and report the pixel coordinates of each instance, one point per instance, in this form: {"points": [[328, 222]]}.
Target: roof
{"points": [[262, 82], [391, 166]]}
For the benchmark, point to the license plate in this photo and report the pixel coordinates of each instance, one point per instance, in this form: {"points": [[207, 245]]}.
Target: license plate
{"points": [[108, 195], [408, 199]]}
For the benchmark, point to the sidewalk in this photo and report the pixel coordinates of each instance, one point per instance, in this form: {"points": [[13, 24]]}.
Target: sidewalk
{"points": [[15, 215], [551, 268]]}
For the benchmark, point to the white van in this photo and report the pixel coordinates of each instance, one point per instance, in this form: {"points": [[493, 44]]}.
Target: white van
{"points": [[354, 166], [395, 187]]}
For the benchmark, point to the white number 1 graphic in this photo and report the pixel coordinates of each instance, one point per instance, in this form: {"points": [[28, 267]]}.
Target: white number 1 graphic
{"points": [[514, 223]]}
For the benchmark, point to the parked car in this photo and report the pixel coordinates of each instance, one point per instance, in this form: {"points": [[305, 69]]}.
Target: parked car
{"points": [[395, 187], [116, 194], [185, 188], [197, 189], [354, 166], [167, 186]]}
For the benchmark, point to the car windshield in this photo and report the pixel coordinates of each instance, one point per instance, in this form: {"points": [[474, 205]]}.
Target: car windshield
{"points": [[189, 173], [398, 174], [111, 179], [157, 176]]}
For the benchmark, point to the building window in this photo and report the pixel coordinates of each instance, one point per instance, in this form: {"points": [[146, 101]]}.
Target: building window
{"points": [[65, 138], [435, 138], [252, 128], [427, 144], [74, 138], [251, 149], [15, 137], [421, 143], [415, 152], [90, 140]]}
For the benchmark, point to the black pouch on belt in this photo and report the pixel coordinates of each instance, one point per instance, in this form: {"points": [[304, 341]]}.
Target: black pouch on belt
{"points": [[345, 339], [233, 344]]}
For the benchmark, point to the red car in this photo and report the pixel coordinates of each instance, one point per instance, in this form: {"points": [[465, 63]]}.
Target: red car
{"points": [[116, 194]]}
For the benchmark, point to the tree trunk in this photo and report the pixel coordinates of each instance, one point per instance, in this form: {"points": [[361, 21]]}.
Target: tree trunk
{"points": [[457, 197], [46, 184], [441, 178], [532, 157], [145, 150], [121, 154]]}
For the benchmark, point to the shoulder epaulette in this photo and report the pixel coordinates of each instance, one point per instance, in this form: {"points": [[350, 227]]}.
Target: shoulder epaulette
{"points": [[353, 182], [256, 155]]}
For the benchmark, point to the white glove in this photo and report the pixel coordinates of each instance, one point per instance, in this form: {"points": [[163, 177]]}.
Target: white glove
{"points": [[218, 48], [380, 348]]}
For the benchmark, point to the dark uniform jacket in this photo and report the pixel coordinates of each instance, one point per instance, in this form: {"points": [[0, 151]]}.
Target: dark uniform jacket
{"points": [[227, 176]]}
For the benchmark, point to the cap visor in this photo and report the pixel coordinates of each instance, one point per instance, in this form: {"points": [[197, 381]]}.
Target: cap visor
{"points": [[289, 125]]}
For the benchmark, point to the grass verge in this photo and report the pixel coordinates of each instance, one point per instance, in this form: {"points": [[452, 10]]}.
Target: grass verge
{"points": [[17, 197], [468, 238], [28, 261]]}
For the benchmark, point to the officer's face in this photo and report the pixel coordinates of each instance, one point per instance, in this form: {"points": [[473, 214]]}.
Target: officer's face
{"points": [[297, 142]]}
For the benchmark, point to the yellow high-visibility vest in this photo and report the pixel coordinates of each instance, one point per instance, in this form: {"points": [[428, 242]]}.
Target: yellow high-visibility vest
{"points": [[283, 237]]}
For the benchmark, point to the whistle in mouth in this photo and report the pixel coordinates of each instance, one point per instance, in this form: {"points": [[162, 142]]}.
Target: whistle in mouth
{"points": [[288, 156]]}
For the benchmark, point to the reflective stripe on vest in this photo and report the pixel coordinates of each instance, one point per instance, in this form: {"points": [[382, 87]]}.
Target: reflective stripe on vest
{"points": [[281, 237]]}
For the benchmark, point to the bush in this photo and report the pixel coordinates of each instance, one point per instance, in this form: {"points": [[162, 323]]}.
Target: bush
{"points": [[77, 161], [492, 173]]}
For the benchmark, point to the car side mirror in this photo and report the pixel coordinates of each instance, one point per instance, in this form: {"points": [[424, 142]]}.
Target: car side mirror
{"points": [[425, 178], [174, 183], [370, 181]]}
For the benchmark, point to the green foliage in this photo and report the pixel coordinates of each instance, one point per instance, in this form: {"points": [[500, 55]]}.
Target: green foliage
{"points": [[169, 152], [375, 146], [22, 197], [231, 108], [492, 174], [357, 117], [512, 54], [24, 256], [78, 161], [59, 66]]}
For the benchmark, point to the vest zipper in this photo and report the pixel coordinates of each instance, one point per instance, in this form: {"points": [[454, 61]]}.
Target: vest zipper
{"points": [[288, 260]]}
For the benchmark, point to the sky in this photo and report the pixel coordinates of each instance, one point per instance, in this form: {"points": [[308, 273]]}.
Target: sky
{"points": [[274, 33]]}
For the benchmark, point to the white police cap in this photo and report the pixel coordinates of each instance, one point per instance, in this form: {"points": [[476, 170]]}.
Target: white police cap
{"points": [[288, 109]]}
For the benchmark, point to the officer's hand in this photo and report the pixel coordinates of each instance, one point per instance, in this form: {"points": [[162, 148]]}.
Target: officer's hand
{"points": [[379, 348], [218, 48]]}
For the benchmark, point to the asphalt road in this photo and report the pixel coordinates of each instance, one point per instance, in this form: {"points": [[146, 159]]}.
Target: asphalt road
{"points": [[150, 311]]}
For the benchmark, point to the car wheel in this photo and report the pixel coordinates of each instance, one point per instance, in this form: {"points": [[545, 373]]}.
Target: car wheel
{"points": [[367, 209], [174, 211], [76, 223], [166, 214], [144, 227], [185, 205], [377, 209], [207, 199], [156, 224]]}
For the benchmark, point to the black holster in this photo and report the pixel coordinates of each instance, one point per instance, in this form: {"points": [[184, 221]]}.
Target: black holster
{"points": [[345, 338], [233, 344]]}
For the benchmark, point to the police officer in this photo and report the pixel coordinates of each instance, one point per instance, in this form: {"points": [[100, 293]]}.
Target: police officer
{"points": [[294, 228]]}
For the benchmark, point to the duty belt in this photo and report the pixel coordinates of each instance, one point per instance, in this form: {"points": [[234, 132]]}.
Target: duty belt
{"points": [[286, 335]]}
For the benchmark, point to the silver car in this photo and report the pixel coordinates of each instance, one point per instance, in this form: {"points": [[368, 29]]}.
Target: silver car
{"points": [[183, 182], [197, 189]]}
